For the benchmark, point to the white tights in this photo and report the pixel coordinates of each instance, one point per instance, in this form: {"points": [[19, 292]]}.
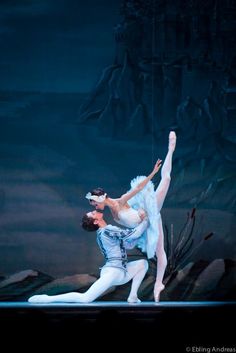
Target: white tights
{"points": [[110, 276]]}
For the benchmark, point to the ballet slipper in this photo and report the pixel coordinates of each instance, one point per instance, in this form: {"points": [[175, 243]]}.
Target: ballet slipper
{"points": [[133, 299], [42, 298], [158, 288], [172, 141]]}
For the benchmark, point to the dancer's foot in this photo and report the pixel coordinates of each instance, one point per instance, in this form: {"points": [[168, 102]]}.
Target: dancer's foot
{"points": [[172, 141], [43, 298], [133, 299], [158, 288]]}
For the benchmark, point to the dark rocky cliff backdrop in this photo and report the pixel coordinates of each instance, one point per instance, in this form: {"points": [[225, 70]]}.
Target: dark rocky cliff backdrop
{"points": [[91, 103]]}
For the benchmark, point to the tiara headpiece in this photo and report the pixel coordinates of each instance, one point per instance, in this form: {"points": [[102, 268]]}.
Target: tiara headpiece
{"points": [[96, 198]]}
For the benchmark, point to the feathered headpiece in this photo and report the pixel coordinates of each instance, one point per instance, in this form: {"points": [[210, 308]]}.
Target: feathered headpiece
{"points": [[96, 198]]}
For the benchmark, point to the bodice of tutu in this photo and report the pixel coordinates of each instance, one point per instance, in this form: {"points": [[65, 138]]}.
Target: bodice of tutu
{"points": [[129, 217], [145, 200]]}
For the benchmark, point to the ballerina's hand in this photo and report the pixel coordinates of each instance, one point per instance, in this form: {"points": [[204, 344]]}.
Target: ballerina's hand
{"points": [[157, 166]]}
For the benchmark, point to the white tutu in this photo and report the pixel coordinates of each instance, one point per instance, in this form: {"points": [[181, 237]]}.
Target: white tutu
{"points": [[146, 199]]}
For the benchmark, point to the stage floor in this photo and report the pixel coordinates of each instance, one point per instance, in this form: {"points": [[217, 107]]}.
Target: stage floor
{"points": [[182, 324], [118, 304]]}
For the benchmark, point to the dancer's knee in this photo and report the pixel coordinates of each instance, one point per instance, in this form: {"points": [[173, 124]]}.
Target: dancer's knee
{"points": [[144, 265], [166, 177], [79, 297], [86, 298]]}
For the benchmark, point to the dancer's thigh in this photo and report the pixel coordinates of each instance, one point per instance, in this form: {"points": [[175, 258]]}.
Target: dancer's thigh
{"points": [[133, 268], [113, 275]]}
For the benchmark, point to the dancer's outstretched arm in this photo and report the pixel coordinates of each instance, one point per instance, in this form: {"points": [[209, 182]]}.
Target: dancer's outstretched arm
{"points": [[124, 198]]}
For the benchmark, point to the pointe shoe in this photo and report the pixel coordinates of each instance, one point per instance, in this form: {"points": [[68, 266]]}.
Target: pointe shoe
{"points": [[133, 299], [42, 298], [157, 291], [172, 141]]}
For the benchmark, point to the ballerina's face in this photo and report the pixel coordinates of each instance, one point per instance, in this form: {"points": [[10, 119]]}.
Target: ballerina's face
{"points": [[97, 205]]}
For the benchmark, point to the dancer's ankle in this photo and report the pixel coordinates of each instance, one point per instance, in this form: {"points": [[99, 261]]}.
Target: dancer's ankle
{"points": [[172, 141], [133, 299], [159, 285], [158, 288]]}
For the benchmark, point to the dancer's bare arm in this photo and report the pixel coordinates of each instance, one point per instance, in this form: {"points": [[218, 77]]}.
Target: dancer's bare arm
{"points": [[124, 198]]}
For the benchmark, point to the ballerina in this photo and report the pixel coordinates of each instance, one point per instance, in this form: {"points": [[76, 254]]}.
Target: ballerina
{"points": [[141, 200]]}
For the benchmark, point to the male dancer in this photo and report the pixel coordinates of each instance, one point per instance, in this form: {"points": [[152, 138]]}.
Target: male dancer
{"points": [[113, 242]]}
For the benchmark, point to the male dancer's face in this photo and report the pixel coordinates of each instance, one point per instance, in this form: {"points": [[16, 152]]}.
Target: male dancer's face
{"points": [[97, 216]]}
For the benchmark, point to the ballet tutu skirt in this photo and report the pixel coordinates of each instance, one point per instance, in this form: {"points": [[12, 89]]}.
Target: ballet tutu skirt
{"points": [[146, 199]]}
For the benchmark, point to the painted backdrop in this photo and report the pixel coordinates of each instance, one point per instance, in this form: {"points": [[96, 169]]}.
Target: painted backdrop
{"points": [[88, 94]]}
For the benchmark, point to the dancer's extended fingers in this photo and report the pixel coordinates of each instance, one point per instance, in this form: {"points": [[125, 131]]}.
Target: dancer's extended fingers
{"points": [[158, 165]]}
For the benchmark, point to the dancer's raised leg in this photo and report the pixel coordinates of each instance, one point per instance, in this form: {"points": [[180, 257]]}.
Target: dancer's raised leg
{"points": [[161, 193], [164, 184]]}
